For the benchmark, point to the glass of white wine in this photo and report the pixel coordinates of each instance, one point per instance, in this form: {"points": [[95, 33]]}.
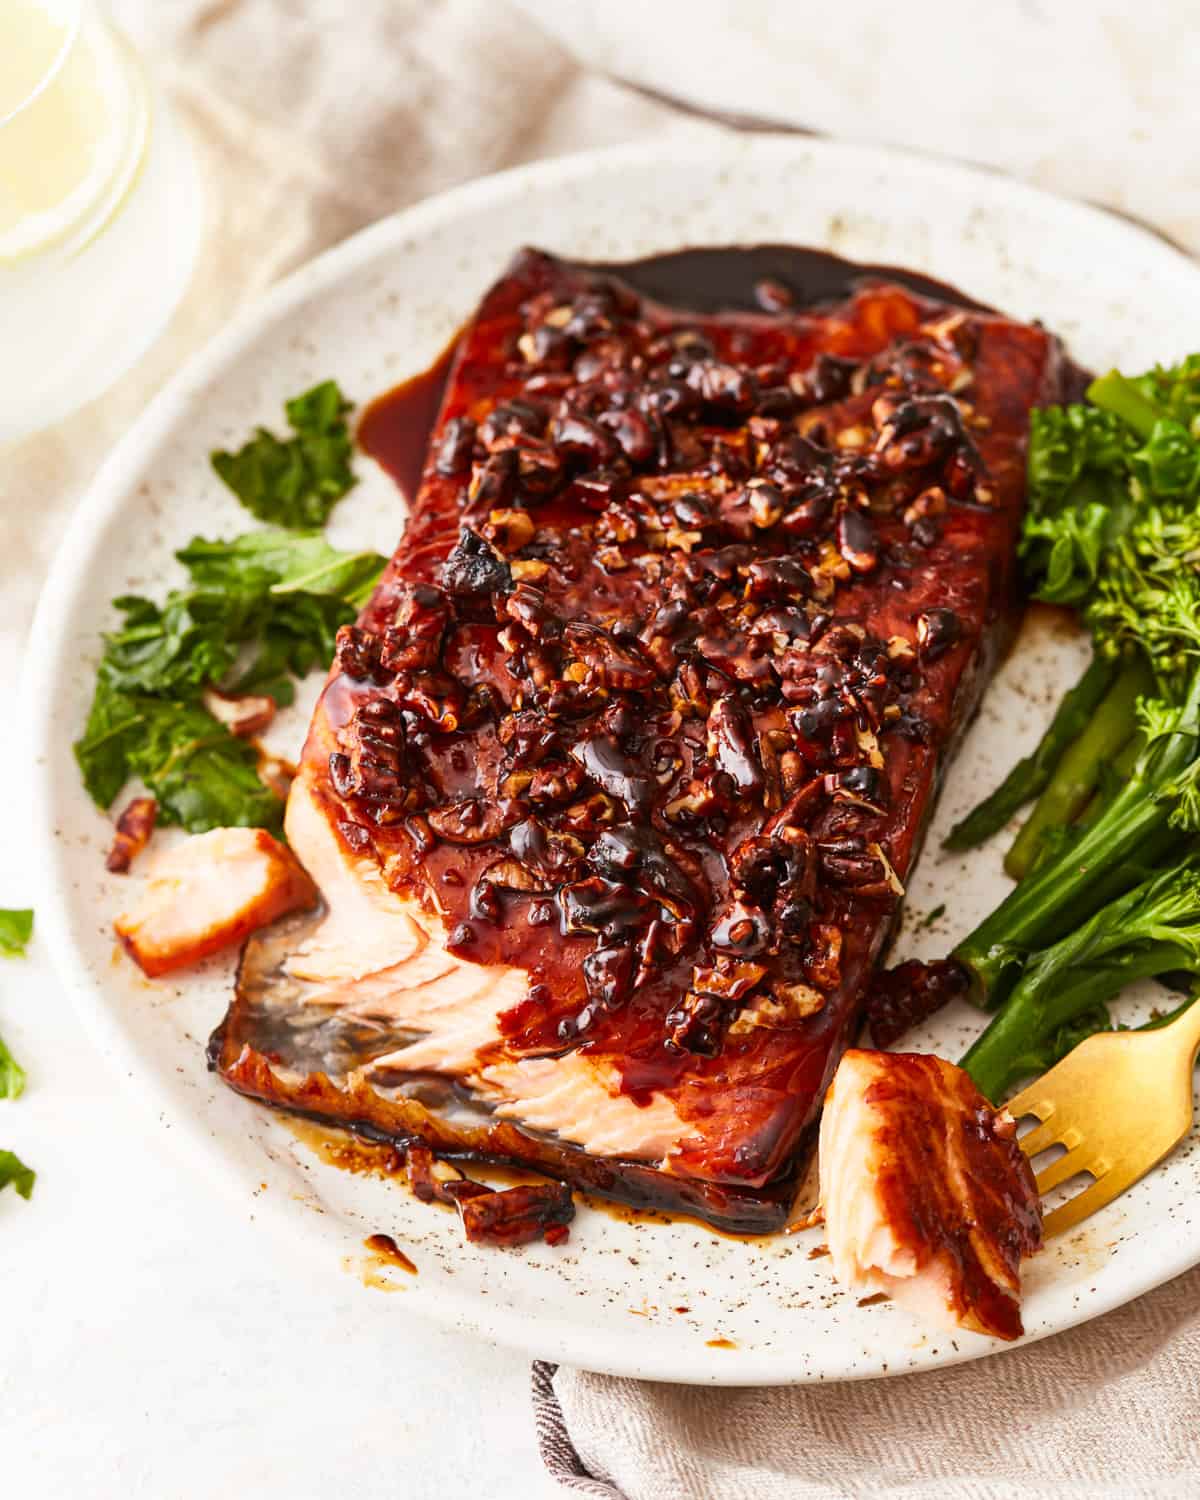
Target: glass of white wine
{"points": [[100, 209]]}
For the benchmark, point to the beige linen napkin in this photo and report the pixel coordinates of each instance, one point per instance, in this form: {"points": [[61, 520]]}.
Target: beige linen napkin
{"points": [[311, 118], [1109, 1411]]}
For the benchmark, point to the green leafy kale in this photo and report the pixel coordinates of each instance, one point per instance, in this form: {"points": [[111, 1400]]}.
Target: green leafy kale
{"points": [[295, 481], [13, 1170], [16, 928], [290, 562], [12, 1075], [261, 609], [201, 775]]}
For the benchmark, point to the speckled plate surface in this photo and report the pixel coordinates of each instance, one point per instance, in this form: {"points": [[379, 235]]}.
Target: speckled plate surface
{"points": [[667, 1301]]}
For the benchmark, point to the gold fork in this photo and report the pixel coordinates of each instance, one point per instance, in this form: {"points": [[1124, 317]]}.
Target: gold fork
{"points": [[1119, 1102]]}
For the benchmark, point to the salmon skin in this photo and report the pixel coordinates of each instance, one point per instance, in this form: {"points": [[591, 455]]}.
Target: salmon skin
{"points": [[612, 792]]}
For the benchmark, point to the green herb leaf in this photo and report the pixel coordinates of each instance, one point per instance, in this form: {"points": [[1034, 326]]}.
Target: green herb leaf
{"points": [[297, 481], [287, 562], [12, 1075], [264, 608], [202, 776], [13, 1170], [16, 928]]}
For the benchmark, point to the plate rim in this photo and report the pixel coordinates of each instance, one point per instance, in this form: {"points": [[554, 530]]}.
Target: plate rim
{"points": [[553, 1337]]}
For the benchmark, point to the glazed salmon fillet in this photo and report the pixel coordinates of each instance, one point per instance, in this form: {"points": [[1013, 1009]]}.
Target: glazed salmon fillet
{"points": [[612, 792], [927, 1196]]}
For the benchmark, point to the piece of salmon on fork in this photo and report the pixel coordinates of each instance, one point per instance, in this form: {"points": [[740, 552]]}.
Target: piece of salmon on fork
{"points": [[612, 792]]}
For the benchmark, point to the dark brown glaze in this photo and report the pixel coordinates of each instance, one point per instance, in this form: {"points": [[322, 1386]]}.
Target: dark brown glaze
{"points": [[955, 1186], [395, 428], [385, 1248], [768, 278], [654, 697]]}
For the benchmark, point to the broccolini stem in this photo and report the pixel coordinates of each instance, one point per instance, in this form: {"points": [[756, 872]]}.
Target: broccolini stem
{"points": [[1115, 393], [1032, 774], [1034, 1012], [1156, 850], [1109, 726], [1109, 854]]}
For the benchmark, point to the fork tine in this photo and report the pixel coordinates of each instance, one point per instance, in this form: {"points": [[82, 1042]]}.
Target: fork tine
{"points": [[1062, 1170], [1032, 1101], [1041, 1136], [1083, 1204]]}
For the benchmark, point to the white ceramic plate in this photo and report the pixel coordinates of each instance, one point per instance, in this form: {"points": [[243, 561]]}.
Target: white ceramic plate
{"points": [[665, 1301]]}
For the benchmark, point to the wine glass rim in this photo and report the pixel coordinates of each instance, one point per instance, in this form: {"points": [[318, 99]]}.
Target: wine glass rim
{"points": [[72, 14]]}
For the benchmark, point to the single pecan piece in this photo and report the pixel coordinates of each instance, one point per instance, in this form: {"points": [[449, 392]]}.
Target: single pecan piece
{"points": [[519, 1215], [823, 960], [544, 849], [902, 997], [134, 827], [730, 744], [357, 654], [374, 768], [473, 820], [696, 1024], [728, 979], [620, 666], [454, 449], [244, 715], [937, 631], [413, 642]]}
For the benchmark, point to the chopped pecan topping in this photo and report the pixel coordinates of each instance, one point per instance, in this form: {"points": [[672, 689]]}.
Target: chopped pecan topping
{"points": [[645, 693]]}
